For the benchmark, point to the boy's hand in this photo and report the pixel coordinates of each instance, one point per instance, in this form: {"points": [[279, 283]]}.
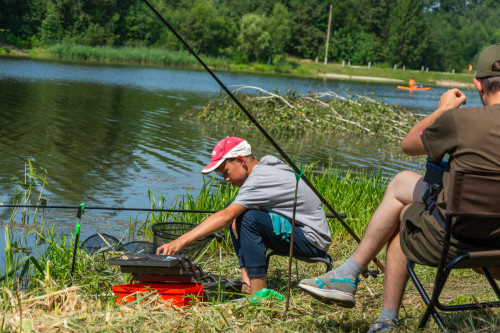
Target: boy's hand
{"points": [[171, 248], [452, 99]]}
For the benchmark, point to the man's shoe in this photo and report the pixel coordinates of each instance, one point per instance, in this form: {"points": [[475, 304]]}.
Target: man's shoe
{"points": [[383, 326], [332, 290]]}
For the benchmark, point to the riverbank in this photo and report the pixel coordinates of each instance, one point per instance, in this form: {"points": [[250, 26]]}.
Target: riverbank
{"points": [[56, 300], [288, 66]]}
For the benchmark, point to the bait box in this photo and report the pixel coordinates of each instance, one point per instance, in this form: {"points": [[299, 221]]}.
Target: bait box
{"points": [[180, 294]]}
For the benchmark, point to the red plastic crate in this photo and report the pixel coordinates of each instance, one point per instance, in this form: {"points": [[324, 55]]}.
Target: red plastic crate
{"points": [[180, 294]]}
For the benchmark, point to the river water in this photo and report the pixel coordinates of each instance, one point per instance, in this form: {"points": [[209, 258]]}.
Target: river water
{"points": [[109, 133]]}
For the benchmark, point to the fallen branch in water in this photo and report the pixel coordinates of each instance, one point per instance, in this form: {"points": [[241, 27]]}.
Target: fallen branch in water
{"points": [[318, 113]]}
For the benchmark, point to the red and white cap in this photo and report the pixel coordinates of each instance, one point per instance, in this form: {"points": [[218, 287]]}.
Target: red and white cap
{"points": [[229, 147]]}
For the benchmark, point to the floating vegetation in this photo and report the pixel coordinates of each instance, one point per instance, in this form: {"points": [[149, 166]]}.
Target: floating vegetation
{"points": [[320, 113]]}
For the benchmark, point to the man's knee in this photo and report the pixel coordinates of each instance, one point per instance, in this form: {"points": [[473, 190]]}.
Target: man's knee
{"points": [[402, 186]]}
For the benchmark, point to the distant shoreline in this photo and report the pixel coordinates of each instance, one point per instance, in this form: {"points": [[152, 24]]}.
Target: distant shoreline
{"points": [[310, 69]]}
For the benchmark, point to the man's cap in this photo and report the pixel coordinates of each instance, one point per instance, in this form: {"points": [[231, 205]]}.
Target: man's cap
{"points": [[486, 59], [229, 147]]}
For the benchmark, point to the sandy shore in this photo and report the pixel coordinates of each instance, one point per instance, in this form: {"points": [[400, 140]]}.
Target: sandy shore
{"points": [[440, 83], [454, 84], [359, 78]]}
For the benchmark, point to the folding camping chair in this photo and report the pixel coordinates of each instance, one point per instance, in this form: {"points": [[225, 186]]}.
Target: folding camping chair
{"points": [[472, 195]]}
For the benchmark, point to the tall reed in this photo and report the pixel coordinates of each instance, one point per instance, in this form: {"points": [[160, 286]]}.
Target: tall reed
{"points": [[141, 55], [28, 181]]}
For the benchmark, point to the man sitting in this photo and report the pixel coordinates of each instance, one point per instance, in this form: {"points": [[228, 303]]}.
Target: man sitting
{"points": [[470, 136]]}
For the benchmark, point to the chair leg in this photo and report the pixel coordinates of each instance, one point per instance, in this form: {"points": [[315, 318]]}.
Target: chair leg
{"points": [[430, 308], [491, 280]]}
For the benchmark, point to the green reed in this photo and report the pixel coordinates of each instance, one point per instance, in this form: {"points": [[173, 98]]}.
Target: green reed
{"points": [[141, 55], [30, 180]]}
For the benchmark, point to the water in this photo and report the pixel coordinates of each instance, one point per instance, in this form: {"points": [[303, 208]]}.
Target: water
{"points": [[108, 134]]}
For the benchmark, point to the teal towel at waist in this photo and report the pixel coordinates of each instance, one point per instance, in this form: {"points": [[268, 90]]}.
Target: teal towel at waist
{"points": [[281, 226]]}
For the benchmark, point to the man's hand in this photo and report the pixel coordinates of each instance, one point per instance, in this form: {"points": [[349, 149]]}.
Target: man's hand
{"points": [[452, 99], [412, 144], [171, 248]]}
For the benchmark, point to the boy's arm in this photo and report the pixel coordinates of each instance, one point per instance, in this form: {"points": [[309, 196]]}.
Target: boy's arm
{"points": [[412, 144], [211, 224]]}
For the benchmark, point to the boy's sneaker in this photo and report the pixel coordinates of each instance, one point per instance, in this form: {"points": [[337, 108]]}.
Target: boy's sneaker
{"points": [[383, 326], [330, 289]]}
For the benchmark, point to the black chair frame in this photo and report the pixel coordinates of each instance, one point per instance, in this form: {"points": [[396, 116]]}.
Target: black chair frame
{"points": [[472, 259]]}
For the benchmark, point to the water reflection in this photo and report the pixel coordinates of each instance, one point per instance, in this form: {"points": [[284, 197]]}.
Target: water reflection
{"points": [[108, 134]]}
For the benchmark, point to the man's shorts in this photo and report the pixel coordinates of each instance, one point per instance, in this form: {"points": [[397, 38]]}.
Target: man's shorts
{"points": [[421, 235]]}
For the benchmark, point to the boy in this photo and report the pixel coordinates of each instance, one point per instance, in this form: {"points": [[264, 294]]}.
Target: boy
{"points": [[260, 214]]}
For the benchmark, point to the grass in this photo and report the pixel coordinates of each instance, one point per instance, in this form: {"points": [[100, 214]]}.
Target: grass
{"points": [[53, 299], [427, 78]]}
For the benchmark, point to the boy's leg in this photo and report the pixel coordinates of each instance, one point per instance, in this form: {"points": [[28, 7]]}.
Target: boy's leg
{"points": [[256, 235], [339, 286]]}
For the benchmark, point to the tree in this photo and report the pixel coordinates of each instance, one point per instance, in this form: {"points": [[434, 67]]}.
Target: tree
{"points": [[408, 41], [254, 40], [279, 25], [307, 38]]}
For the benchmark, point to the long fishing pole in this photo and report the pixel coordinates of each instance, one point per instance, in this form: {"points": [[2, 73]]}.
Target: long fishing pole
{"points": [[163, 210], [260, 128]]}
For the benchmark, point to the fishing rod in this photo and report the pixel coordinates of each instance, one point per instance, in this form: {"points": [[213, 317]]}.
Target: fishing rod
{"points": [[259, 127], [164, 210]]}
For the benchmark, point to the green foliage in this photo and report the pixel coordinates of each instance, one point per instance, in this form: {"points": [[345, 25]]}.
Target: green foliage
{"points": [[28, 181], [440, 35], [358, 48], [408, 41], [254, 39], [307, 37]]}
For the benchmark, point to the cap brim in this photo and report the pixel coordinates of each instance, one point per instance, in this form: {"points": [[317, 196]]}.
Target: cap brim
{"points": [[212, 166]]}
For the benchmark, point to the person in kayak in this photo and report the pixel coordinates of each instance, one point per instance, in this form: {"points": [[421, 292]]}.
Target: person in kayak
{"points": [[414, 84], [469, 136], [259, 217]]}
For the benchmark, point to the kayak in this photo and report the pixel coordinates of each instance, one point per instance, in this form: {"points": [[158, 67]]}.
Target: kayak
{"points": [[418, 89]]}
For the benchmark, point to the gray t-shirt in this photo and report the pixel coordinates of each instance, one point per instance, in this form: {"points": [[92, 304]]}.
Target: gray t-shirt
{"points": [[270, 187]]}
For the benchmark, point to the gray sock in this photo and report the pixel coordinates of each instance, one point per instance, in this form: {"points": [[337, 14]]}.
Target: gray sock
{"points": [[388, 315], [349, 267]]}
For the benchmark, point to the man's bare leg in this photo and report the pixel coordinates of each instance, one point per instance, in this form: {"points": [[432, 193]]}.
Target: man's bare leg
{"points": [[339, 286], [395, 276], [386, 218]]}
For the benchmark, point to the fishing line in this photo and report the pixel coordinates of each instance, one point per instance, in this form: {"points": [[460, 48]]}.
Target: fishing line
{"points": [[113, 208], [164, 210], [259, 127]]}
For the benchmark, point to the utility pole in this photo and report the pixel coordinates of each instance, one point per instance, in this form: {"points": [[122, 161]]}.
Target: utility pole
{"points": [[328, 34]]}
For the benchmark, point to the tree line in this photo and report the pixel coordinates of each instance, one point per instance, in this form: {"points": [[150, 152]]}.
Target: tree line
{"points": [[440, 35]]}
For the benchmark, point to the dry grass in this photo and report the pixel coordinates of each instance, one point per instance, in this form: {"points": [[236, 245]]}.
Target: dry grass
{"points": [[70, 310]]}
